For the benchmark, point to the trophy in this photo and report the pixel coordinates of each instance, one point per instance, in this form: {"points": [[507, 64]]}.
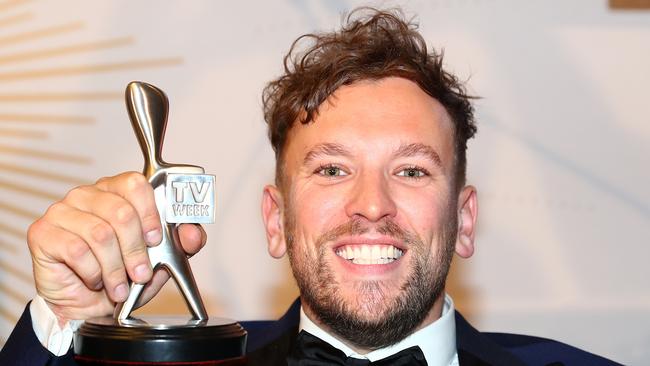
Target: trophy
{"points": [[183, 194]]}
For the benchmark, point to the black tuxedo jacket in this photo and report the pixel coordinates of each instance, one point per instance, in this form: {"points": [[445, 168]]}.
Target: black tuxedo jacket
{"points": [[269, 343]]}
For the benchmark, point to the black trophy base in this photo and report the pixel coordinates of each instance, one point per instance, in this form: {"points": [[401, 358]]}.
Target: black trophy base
{"points": [[160, 340]]}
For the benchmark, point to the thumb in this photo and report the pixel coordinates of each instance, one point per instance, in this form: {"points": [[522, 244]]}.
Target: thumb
{"points": [[193, 238]]}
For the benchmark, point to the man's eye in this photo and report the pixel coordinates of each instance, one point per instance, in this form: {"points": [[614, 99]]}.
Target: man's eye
{"points": [[331, 171], [412, 172]]}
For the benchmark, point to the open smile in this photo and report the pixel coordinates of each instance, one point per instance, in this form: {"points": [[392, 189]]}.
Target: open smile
{"points": [[366, 254]]}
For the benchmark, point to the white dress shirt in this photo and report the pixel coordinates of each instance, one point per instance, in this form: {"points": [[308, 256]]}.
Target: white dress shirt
{"points": [[437, 340], [46, 327]]}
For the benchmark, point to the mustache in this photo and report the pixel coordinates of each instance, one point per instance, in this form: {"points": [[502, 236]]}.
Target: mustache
{"points": [[357, 226]]}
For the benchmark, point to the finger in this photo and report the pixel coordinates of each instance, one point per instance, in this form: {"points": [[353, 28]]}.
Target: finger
{"points": [[193, 238], [101, 241], [136, 189], [123, 219], [152, 287], [50, 244]]}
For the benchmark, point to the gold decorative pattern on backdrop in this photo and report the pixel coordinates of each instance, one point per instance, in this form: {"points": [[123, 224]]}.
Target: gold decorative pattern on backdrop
{"points": [[27, 134], [60, 97], [45, 155], [20, 234], [41, 174], [19, 211], [15, 19], [88, 69], [45, 118], [30, 160], [40, 33], [60, 51]]}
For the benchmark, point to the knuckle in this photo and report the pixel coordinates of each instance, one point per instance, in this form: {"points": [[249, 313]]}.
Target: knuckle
{"points": [[151, 221], [77, 249], [55, 209], [71, 194], [76, 193], [102, 233], [34, 231], [95, 276], [135, 181], [151, 214], [115, 273], [124, 213], [134, 250]]}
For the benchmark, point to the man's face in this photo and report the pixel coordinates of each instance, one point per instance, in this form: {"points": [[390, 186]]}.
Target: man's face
{"points": [[367, 211]]}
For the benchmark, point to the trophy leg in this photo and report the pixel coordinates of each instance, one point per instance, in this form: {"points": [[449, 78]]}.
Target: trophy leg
{"points": [[182, 274], [124, 309]]}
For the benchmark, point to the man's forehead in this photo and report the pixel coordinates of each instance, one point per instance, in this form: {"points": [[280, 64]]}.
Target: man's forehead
{"points": [[387, 97], [393, 110]]}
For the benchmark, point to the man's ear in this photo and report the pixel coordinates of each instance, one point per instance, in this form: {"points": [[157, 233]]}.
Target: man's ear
{"points": [[467, 214], [273, 216]]}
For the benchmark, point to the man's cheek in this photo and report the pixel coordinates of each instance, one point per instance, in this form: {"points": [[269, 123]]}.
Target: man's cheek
{"points": [[319, 209], [419, 210]]}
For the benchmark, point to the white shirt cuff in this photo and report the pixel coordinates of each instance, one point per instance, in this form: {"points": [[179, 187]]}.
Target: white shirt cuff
{"points": [[47, 329]]}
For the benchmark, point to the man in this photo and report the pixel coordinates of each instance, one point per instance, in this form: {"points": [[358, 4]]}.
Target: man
{"points": [[370, 203]]}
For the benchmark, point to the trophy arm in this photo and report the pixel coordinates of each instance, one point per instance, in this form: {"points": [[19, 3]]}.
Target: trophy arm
{"points": [[148, 108]]}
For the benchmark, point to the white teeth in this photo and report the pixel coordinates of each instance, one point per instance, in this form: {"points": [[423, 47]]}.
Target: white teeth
{"points": [[365, 252], [375, 253], [369, 254]]}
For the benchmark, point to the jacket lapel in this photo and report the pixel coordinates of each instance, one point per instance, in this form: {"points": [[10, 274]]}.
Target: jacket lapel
{"points": [[475, 348]]}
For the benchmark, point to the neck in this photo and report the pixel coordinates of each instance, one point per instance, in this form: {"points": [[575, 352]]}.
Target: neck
{"points": [[434, 314]]}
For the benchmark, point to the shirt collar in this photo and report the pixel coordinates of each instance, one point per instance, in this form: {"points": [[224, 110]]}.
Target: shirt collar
{"points": [[437, 340]]}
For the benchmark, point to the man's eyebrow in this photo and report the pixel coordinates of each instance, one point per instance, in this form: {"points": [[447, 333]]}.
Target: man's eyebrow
{"points": [[328, 148], [419, 149]]}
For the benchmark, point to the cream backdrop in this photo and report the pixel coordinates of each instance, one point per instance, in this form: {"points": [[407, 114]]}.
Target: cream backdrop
{"points": [[560, 161]]}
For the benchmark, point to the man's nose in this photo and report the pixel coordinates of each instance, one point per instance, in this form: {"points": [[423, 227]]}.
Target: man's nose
{"points": [[371, 198]]}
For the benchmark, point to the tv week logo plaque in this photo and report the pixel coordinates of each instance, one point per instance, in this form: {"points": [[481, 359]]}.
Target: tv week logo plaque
{"points": [[190, 198]]}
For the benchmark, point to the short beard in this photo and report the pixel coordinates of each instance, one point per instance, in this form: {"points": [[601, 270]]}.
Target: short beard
{"points": [[396, 318]]}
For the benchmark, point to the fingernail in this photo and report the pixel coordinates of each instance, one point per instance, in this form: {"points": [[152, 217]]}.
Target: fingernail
{"points": [[153, 237], [142, 272], [121, 292]]}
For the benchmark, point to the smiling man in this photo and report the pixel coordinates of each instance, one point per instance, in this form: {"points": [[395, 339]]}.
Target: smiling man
{"points": [[368, 211], [370, 137], [370, 204]]}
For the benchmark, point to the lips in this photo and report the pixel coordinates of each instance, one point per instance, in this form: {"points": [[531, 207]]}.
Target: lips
{"points": [[369, 254]]}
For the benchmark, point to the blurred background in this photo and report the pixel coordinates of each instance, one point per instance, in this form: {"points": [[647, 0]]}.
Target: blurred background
{"points": [[560, 161]]}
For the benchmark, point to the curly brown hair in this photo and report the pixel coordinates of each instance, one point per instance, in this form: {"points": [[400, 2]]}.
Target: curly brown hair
{"points": [[370, 45]]}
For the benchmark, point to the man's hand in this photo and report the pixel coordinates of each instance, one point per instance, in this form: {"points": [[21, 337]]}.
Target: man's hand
{"points": [[87, 245]]}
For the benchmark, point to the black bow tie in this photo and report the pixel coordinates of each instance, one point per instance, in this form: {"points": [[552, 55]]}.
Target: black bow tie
{"points": [[309, 350]]}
